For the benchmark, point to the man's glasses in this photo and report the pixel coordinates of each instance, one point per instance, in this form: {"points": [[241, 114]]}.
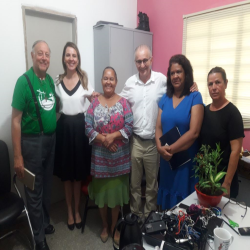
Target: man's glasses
{"points": [[241, 204], [144, 61]]}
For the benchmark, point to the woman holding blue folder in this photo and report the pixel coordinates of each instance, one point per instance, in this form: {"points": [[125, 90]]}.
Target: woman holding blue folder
{"points": [[182, 109]]}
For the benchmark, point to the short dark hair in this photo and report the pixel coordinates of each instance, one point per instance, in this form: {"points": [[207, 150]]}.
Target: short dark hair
{"points": [[188, 71], [218, 70], [109, 67]]}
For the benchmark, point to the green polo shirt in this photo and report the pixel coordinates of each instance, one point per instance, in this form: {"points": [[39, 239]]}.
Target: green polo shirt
{"points": [[45, 94]]}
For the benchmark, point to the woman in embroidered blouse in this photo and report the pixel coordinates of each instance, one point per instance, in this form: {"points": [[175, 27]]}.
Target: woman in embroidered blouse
{"points": [[109, 123], [73, 152]]}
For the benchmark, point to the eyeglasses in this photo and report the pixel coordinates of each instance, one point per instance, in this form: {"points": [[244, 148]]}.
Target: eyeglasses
{"points": [[144, 61], [241, 204]]}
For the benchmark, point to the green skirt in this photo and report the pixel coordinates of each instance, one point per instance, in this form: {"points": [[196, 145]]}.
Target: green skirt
{"points": [[110, 191]]}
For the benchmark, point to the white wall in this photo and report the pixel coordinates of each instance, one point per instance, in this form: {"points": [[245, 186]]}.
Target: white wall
{"points": [[12, 52]]}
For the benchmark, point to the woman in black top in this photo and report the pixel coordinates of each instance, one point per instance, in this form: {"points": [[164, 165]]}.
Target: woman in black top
{"points": [[223, 124]]}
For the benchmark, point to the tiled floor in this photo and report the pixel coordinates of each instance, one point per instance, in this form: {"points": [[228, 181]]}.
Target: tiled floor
{"points": [[63, 238]]}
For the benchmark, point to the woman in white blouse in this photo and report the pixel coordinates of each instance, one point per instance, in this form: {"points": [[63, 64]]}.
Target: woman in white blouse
{"points": [[73, 152]]}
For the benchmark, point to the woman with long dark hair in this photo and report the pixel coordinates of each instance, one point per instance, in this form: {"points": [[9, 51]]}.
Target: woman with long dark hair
{"points": [[182, 109]]}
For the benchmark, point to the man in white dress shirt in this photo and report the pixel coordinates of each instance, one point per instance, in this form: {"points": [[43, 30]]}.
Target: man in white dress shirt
{"points": [[143, 91]]}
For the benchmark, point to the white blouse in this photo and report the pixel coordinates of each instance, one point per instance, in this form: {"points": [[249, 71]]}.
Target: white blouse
{"points": [[73, 102]]}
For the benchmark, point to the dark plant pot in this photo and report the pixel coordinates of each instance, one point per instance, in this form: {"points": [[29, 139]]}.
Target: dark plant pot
{"points": [[207, 200]]}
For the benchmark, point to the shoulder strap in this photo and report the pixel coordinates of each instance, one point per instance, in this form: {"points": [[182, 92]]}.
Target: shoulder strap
{"points": [[36, 104]]}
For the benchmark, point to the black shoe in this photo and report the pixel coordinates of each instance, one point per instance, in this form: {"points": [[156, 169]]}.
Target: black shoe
{"points": [[49, 229], [71, 226], [78, 225], [42, 245]]}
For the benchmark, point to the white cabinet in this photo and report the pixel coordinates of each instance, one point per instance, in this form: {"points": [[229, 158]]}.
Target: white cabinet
{"points": [[114, 46]]}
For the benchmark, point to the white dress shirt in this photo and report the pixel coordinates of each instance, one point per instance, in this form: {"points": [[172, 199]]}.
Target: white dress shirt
{"points": [[143, 99], [75, 101]]}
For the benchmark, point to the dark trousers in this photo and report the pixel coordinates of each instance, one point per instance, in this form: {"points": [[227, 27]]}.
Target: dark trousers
{"points": [[38, 155]]}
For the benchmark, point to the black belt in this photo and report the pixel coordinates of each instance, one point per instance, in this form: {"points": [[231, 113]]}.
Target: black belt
{"points": [[37, 135], [142, 139]]}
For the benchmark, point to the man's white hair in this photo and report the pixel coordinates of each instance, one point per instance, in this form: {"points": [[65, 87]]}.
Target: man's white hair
{"points": [[36, 42], [143, 46]]}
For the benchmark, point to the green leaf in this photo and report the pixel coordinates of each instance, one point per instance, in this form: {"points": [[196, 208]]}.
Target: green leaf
{"points": [[218, 185], [224, 190], [205, 182], [202, 184], [206, 186], [211, 177], [219, 176]]}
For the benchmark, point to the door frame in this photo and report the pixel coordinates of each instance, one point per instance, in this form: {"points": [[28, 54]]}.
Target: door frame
{"points": [[30, 9]]}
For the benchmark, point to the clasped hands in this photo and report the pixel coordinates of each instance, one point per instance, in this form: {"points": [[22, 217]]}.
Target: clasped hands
{"points": [[108, 142], [165, 152]]}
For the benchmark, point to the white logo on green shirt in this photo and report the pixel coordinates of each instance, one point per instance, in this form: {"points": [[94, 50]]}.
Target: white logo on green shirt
{"points": [[46, 102]]}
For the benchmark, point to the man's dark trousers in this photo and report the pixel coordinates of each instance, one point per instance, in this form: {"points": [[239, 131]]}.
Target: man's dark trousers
{"points": [[38, 155]]}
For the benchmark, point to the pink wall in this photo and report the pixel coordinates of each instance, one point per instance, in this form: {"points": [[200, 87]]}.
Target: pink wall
{"points": [[246, 140], [166, 22]]}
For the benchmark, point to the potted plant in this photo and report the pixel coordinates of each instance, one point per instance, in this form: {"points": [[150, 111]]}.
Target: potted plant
{"points": [[209, 189]]}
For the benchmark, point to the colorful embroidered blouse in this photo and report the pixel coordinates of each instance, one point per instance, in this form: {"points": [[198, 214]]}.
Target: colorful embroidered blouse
{"points": [[100, 119]]}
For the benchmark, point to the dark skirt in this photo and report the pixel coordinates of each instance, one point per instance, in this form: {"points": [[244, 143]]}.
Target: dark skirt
{"points": [[73, 152]]}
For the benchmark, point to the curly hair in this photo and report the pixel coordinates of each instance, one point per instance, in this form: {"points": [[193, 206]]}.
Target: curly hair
{"points": [[188, 71]]}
